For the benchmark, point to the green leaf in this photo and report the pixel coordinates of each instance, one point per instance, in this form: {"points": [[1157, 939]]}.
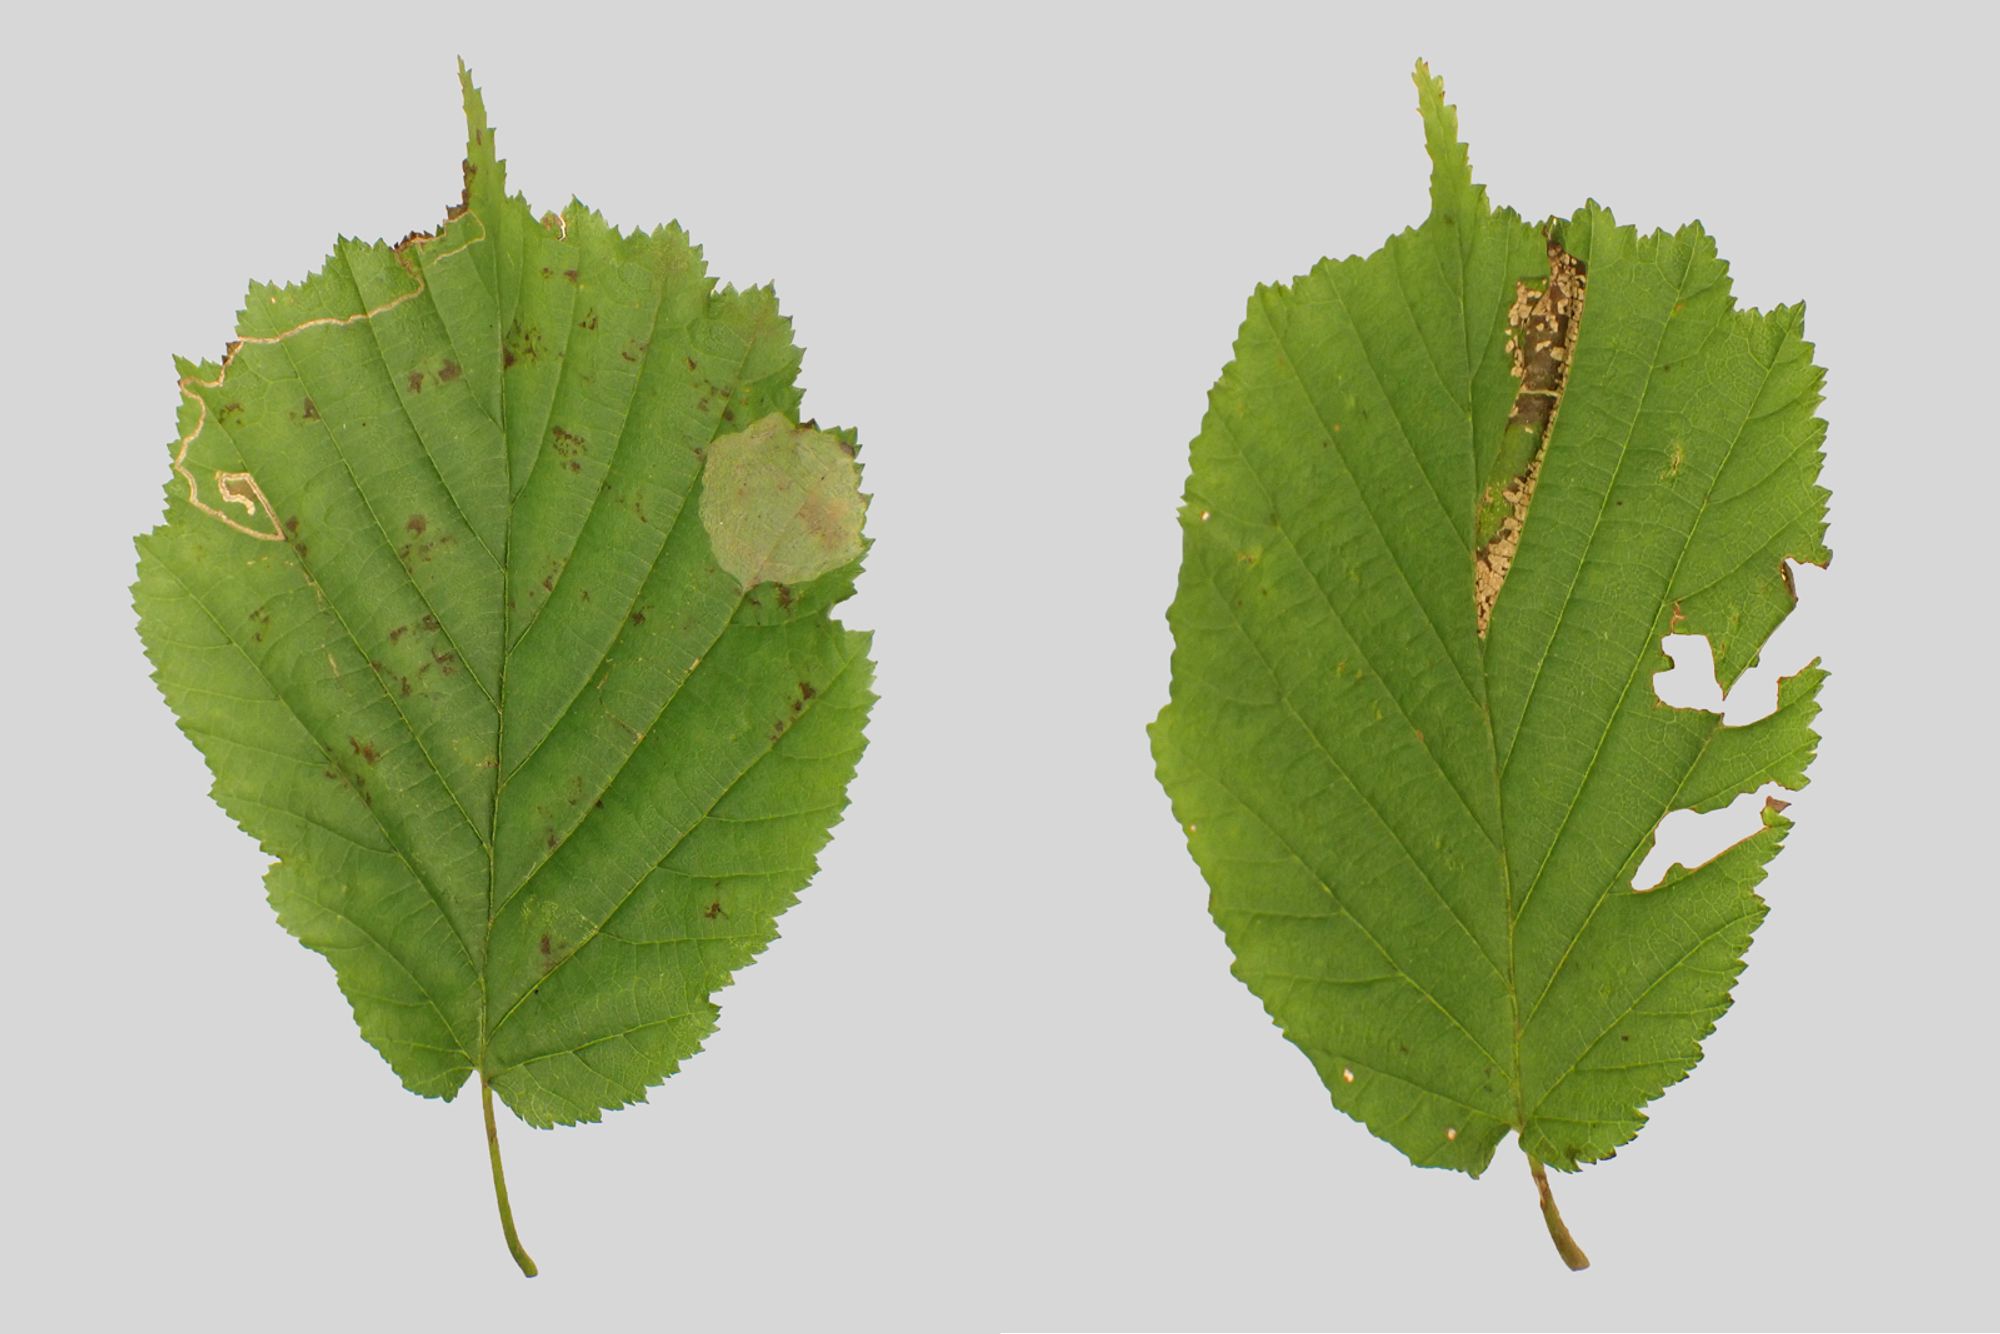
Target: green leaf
{"points": [[1419, 828], [494, 586]]}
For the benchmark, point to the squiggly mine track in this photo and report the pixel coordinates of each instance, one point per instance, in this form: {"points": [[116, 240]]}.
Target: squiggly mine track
{"points": [[240, 488]]}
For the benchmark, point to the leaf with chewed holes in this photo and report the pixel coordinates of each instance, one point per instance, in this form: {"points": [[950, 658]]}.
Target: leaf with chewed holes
{"points": [[1446, 503], [453, 595]]}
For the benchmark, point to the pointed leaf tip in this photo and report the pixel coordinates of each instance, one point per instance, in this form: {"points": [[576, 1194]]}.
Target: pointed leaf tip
{"points": [[1453, 194], [485, 174]]}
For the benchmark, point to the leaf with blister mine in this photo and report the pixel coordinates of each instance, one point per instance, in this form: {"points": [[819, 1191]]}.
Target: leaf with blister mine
{"points": [[1445, 504], [494, 586]]}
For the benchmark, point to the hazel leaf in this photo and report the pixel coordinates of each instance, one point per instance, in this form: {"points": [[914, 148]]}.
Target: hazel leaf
{"points": [[444, 597], [1446, 503]]}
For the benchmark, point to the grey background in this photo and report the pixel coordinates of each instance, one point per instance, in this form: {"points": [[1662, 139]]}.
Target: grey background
{"points": [[996, 1072]]}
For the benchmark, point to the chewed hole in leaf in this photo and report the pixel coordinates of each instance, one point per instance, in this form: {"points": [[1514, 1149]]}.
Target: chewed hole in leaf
{"points": [[1688, 837], [1691, 838], [1690, 683]]}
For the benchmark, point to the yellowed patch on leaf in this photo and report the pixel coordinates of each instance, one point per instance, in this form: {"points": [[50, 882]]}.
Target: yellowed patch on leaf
{"points": [[781, 503]]}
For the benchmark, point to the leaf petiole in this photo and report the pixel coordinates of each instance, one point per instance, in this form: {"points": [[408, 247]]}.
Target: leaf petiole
{"points": [[1566, 1246], [521, 1256]]}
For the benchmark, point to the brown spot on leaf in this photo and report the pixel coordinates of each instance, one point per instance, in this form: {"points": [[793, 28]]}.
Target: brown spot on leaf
{"points": [[448, 372], [309, 410], [522, 344], [416, 382], [417, 523]]}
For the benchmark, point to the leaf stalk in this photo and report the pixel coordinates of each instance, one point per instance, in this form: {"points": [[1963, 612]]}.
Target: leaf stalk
{"points": [[1566, 1246], [521, 1256]]}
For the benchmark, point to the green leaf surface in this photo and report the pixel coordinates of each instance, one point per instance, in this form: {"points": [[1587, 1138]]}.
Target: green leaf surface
{"points": [[494, 587], [1418, 825]]}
